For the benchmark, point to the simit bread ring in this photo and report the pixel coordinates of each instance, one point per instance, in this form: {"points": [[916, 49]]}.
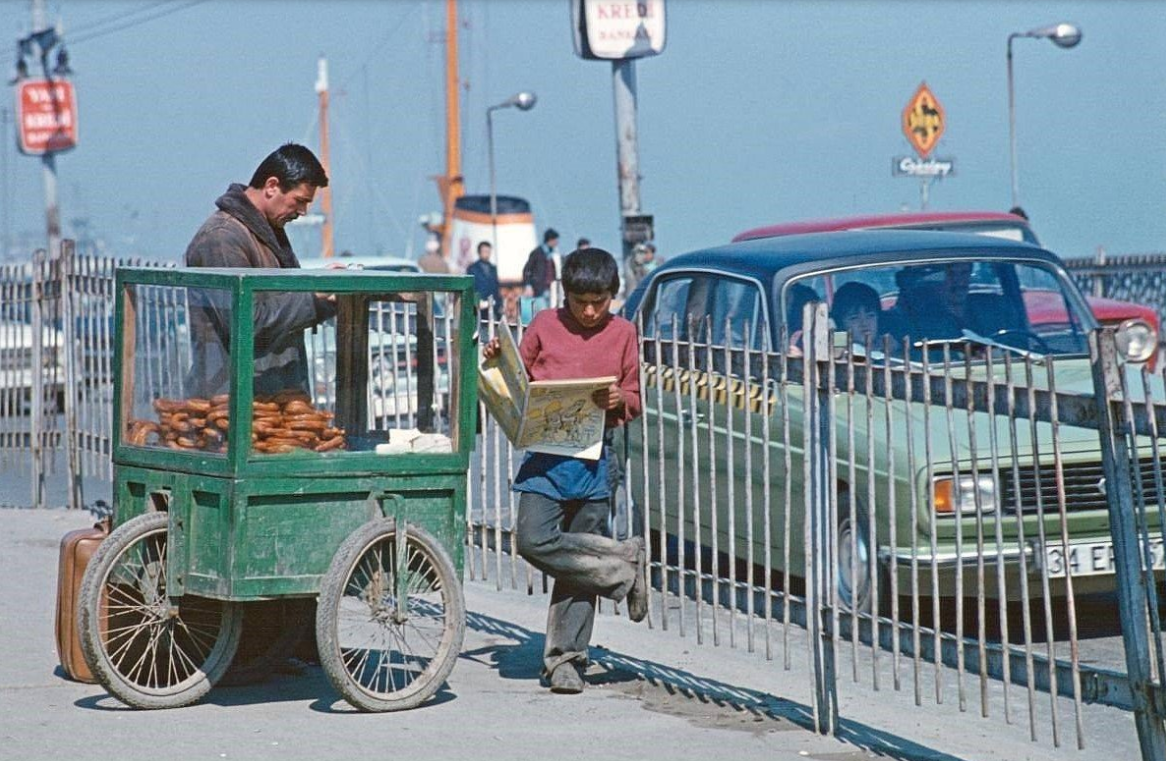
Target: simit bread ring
{"points": [[334, 443]]}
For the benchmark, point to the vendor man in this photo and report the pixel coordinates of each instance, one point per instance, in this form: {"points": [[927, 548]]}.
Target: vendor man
{"points": [[247, 230]]}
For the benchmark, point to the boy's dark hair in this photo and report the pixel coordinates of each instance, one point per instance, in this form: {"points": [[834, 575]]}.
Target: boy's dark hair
{"points": [[590, 270], [291, 164], [484, 244], [853, 296]]}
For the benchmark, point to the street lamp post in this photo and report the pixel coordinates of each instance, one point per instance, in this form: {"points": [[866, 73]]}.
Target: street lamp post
{"points": [[524, 101], [1063, 35]]}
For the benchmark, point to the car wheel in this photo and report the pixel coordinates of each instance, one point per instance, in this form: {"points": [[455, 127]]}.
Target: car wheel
{"points": [[855, 590]]}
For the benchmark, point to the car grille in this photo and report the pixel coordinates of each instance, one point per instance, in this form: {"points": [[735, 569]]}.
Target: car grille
{"points": [[1084, 487]]}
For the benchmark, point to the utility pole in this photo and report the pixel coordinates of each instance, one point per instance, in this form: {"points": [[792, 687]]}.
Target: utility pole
{"points": [[326, 245], [49, 158], [627, 146]]}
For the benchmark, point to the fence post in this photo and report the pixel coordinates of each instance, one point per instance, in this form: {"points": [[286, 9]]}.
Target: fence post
{"points": [[72, 353], [1131, 584], [819, 547], [36, 393]]}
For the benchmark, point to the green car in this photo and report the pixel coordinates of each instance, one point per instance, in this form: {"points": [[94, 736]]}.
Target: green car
{"points": [[928, 497]]}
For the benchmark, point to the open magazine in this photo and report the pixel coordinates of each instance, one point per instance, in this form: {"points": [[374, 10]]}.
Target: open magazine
{"points": [[553, 416]]}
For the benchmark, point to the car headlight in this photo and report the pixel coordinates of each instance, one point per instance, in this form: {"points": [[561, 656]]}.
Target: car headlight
{"points": [[948, 500], [1136, 339]]}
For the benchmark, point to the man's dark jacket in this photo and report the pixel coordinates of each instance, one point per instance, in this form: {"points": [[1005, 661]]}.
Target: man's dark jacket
{"points": [[485, 276], [539, 270], [238, 235]]}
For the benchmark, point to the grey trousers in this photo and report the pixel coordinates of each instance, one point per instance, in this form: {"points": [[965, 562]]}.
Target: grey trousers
{"points": [[565, 540]]}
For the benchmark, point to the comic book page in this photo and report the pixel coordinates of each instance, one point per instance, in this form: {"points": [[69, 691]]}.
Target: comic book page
{"points": [[560, 418], [502, 386], [555, 416]]}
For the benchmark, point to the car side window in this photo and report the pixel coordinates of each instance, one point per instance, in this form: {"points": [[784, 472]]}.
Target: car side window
{"points": [[668, 307], [738, 319]]}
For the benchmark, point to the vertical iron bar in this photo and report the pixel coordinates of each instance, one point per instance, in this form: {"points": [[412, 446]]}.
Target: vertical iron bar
{"points": [[1130, 583]]}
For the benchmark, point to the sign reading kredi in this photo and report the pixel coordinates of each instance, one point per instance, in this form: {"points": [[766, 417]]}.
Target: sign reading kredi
{"points": [[923, 120], [46, 114], [617, 30]]}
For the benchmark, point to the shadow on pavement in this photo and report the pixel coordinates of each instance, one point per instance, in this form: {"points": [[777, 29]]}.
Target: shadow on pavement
{"points": [[524, 661]]}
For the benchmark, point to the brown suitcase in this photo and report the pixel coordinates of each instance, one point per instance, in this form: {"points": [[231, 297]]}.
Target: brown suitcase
{"points": [[77, 547]]}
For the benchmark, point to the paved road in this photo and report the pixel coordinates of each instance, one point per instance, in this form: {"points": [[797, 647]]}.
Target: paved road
{"points": [[651, 693]]}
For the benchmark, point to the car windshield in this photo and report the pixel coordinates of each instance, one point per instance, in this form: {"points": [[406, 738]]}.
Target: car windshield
{"points": [[1025, 308]]}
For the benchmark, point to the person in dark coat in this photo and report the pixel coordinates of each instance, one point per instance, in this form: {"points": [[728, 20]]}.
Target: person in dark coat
{"points": [[247, 230], [539, 271], [485, 276]]}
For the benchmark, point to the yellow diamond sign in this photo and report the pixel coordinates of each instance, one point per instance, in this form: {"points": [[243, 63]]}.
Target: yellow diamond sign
{"points": [[923, 120]]}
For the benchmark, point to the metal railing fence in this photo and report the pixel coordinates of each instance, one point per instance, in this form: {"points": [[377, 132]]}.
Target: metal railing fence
{"points": [[931, 522]]}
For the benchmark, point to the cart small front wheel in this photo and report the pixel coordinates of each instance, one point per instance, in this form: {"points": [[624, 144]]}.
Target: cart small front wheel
{"points": [[148, 650], [391, 617]]}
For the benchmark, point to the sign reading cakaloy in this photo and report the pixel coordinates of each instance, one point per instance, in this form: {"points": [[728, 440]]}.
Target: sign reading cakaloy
{"points": [[46, 116], [923, 120], [614, 30]]}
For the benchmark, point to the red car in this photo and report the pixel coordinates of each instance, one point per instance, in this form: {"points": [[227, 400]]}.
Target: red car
{"points": [[1136, 324]]}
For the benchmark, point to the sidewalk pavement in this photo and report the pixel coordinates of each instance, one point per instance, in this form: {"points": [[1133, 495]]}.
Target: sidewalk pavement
{"points": [[651, 694]]}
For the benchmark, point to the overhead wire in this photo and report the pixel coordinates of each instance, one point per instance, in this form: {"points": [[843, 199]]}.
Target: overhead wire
{"points": [[136, 22], [91, 26]]}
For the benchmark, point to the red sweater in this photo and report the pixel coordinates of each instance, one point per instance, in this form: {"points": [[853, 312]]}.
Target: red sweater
{"points": [[556, 347]]}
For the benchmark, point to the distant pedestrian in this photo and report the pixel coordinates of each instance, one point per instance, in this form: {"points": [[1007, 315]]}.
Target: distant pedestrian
{"points": [[639, 264], [538, 275], [539, 271], [485, 276], [432, 261], [582, 244]]}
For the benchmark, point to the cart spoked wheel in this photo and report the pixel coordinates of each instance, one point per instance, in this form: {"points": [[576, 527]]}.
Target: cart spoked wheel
{"points": [[391, 617], [148, 650]]}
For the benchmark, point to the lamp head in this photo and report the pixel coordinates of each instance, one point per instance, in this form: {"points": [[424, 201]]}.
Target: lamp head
{"points": [[1063, 35], [524, 100]]}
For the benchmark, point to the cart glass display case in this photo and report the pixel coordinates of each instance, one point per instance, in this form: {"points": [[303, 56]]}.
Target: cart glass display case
{"points": [[235, 369]]}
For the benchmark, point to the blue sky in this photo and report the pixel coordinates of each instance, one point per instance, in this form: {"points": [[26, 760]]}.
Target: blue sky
{"points": [[757, 112]]}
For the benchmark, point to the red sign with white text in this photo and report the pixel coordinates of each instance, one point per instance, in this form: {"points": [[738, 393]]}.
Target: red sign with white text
{"points": [[46, 114]]}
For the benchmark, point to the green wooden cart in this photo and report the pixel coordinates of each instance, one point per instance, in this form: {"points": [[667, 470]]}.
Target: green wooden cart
{"points": [[264, 450]]}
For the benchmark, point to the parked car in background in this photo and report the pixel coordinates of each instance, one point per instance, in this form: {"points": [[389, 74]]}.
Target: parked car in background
{"points": [[934, 476], [18, 358], [1137, 325]]}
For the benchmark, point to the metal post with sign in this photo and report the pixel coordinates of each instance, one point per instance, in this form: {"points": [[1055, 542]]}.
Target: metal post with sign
{"points": [[620, 32], [46, 111], [923, 122]]}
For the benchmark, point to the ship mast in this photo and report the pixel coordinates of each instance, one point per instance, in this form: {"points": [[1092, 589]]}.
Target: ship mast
{"points": [[325, 192], [451, 185]]}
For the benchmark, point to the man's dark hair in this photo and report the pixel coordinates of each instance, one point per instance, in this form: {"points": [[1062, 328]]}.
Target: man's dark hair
{"points": [[590, 270], [484, 244], [550, 235], [291, 164]]}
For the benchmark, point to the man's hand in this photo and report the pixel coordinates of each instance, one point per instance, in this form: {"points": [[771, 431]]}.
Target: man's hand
{"points": [[492, 349], [609, 398]]}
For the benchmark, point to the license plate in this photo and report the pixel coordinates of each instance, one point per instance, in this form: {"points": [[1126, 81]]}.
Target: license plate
{"points": [[1093, 558]]}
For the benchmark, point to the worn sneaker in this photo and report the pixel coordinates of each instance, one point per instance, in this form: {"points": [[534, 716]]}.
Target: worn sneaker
{"points": [[566, 679], [637, 598]]}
